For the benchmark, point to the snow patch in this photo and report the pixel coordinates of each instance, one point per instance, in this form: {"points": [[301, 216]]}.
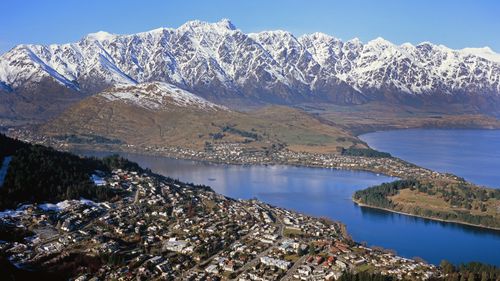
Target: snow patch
{"points": [[63, 205], [101, 36], [98, 181], [485, 53], [5, 167], [159, 95], [14, 213], [221, 26]]}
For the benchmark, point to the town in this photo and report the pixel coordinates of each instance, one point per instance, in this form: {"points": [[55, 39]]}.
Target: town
{"points": [[238, 153], [165, 229]]}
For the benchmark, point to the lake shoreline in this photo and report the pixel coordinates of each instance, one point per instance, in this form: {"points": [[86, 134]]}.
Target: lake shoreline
{"points": [[365, 131], [350, 215], [357, 202], [447, 150], [149, 153]]}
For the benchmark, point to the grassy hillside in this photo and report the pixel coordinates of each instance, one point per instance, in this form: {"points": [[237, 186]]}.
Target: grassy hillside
{"points": [[119, 122]]}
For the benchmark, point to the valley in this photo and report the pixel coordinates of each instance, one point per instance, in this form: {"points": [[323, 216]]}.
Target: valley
{"points": [[162, 119], [481, 212]]}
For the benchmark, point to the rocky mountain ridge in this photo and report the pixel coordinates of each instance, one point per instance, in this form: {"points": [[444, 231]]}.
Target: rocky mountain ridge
{"points": [[222, 64]]}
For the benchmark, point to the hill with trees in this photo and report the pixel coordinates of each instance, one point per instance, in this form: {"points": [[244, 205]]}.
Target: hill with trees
{"points": [[457, 201], [39, 174]]}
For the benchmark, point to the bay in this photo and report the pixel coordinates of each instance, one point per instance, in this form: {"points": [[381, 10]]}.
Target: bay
{"points": [[327, 192], [471, 154]]}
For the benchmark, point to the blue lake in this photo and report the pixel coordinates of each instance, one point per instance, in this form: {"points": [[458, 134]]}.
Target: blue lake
{"points": [[327, 192], [471, 154]]}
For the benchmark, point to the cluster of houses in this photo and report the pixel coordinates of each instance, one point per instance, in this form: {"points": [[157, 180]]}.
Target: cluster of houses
{"points": [[162, 228], [236, 153], [239, 153]]}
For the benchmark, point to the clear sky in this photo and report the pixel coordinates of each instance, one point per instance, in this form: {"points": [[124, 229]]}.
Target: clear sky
{"points": [[455, 23]]}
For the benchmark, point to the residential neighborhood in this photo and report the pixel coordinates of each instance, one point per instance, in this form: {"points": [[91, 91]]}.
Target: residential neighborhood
{"points": [[164, 229], [237, 153]]}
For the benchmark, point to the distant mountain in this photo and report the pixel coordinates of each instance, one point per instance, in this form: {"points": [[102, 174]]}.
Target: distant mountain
{"points": [[224, 65]]}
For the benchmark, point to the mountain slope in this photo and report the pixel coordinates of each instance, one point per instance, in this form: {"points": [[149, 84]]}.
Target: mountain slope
{"points": [[159, 96], [224, 65], [160, 114]]}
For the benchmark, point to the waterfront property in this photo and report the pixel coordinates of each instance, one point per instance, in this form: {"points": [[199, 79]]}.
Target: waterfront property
{"points": [[327, 192]]}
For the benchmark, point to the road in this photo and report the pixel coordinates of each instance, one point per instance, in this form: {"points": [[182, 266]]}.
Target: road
{"points": [[254, 261], [281, 227], [290, 271], [209, 259]]}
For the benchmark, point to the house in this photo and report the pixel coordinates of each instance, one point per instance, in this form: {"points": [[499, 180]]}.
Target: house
{"points": [[98, 181], [304, 270], [212, 269], [175, 245], [163, 267], [281, 264], [341, 264], [229, 266]]}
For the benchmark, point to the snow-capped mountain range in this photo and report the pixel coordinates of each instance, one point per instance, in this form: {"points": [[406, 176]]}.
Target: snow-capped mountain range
{"points": [[219, 62]]}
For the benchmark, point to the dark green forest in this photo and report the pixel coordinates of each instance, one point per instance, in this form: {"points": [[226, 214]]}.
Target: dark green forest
{"points": [[9, 146], [473, 271], [366, 152], [457, 195], [377, 195], [40, 174]]}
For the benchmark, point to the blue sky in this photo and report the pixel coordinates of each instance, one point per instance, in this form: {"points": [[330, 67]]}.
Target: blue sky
{"points": [[454, 23]]}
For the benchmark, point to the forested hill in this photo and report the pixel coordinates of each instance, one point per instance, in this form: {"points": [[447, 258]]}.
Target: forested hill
{"points": [[41, 174], [450, 201], [9, 146]]}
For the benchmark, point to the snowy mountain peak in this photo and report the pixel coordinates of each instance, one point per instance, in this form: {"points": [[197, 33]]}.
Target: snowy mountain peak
{"points": [[379, 41], [484, 52], [321, 35], [221, 26], [407, 45], [355, 40], [425, 43], [221, 63], [101, 36], [159, 96], [226, 23]]}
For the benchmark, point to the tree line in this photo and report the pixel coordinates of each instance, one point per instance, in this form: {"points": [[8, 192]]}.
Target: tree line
{"points": [[473, 271], [377, 195], [365, 152]]}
